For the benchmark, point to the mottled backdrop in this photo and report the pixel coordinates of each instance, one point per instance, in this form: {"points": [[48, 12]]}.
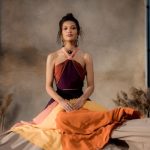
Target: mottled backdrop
{"points": [[114, 33]]}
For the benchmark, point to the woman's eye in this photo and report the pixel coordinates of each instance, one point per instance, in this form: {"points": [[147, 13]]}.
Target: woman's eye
{"points": [[74, 28]]}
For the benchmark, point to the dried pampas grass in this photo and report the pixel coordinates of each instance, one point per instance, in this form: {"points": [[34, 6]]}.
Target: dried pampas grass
{"points": [[137, 98], [4, 103]]}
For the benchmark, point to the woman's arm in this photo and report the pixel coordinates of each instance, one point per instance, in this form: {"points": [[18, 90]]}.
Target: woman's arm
{"points": [[89, 78], [50, 63], [90, 81]]}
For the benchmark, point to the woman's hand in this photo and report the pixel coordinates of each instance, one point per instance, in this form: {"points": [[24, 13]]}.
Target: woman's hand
{"points": [[79, 103], [66, 105]]}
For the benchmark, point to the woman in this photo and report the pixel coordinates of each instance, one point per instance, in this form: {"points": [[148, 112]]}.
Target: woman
{"points": [[70, 120], [69, 31]]}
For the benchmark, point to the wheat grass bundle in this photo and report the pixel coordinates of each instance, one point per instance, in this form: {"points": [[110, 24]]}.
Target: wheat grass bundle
{"points": [[137, 99]]}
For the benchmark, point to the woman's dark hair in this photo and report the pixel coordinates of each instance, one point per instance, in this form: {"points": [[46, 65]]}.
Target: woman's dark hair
{"points": [[67, 17]]}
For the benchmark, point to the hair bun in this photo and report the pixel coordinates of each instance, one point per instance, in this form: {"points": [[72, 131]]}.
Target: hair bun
{"points": [[69, 15]]}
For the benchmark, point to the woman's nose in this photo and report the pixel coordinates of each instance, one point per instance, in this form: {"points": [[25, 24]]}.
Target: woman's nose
{"points": [[69, 30]]}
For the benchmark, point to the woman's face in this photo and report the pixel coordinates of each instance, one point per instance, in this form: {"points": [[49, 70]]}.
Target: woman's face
{"points": [[69, 31]]}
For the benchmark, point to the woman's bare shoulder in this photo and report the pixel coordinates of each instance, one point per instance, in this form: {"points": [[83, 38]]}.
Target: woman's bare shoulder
{"points": [[86, 55], [53, 54]]}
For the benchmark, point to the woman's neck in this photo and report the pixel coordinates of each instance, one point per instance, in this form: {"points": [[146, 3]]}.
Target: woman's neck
{"points": [[69, 46]]}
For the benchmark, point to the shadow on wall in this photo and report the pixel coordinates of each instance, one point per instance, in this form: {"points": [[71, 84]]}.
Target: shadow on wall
{"points": [[28, 56]]}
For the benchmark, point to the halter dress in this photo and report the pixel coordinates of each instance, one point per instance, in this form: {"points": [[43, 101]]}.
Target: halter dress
{"points": [[88, 128], [69, 76]]}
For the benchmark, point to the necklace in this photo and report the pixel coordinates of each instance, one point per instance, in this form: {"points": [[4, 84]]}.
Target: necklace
{"points": [[71, 52]]}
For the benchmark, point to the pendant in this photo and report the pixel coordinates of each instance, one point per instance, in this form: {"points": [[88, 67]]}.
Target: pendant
{"points": [[69, 51]]}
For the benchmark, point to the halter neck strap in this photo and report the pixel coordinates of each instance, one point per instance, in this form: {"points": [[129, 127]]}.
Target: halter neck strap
{"points": [[70, 56]]}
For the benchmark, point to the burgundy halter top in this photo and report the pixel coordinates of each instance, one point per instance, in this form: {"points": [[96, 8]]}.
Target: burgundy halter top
{"points": [[69, 77]]}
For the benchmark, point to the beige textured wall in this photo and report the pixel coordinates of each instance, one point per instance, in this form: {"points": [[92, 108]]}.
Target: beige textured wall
{"points": [[114, 33]]}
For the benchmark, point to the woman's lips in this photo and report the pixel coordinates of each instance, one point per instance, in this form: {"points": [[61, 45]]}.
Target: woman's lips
{"points": [[69, 35]]}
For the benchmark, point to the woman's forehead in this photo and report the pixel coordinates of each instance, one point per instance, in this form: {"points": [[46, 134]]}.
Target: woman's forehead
{"points": [[69, 23]]}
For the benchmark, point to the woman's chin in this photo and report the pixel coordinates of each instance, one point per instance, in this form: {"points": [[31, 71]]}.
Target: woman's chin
{"points": [[69, 40]]}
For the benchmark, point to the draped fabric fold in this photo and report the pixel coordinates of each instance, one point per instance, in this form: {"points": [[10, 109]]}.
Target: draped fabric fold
{"points": [[89, 129]]}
